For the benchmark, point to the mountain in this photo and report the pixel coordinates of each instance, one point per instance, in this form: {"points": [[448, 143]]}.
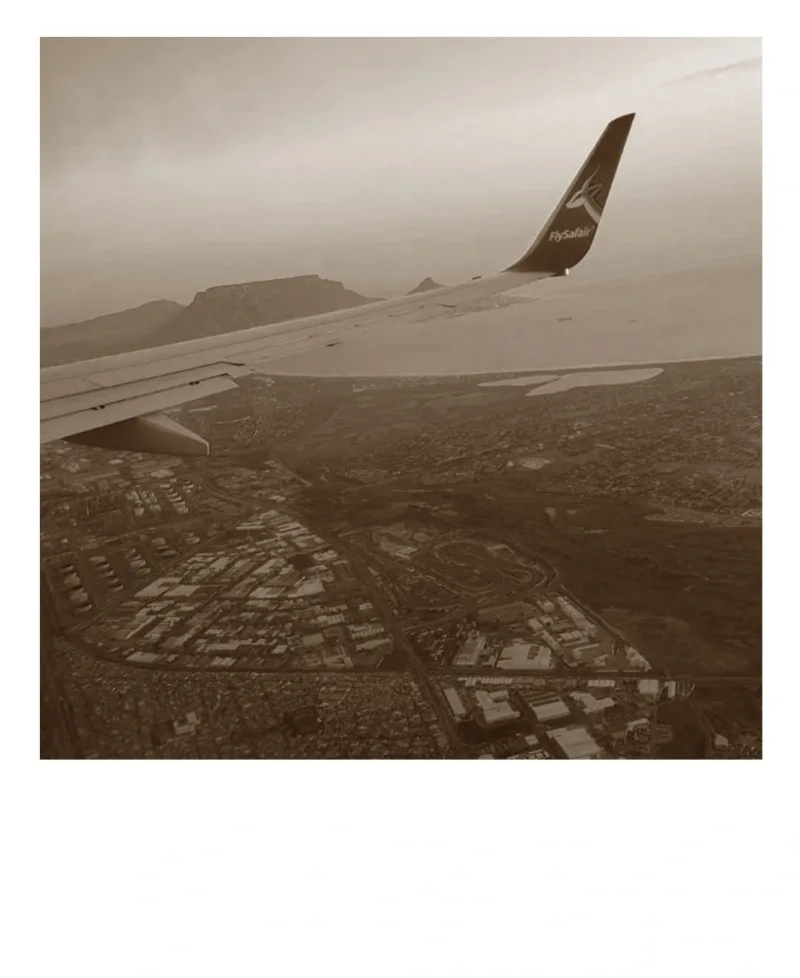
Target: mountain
{"points": [[216, 311], [118, 332], [226, 308], [425, 286]]}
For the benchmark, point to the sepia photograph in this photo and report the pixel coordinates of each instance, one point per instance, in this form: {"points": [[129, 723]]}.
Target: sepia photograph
{"points": [[399, 402]]}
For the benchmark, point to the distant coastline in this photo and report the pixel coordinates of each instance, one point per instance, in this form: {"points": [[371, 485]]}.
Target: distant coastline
{"points": [[521, 371]]}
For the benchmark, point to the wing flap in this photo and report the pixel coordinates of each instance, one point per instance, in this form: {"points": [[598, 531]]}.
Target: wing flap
{"points": [[102, 397], [131, 407], [52, 389]]}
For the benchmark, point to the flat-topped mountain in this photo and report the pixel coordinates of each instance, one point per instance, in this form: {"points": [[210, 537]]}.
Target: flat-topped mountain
{"points": [[213, 312], [227, 308]]}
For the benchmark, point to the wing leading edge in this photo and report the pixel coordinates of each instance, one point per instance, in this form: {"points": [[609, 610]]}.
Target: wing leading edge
{"points": [[114, 402]]}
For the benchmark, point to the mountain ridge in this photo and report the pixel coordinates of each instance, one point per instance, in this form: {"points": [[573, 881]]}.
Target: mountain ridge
{"points": [[100, 335], [215, 311]]}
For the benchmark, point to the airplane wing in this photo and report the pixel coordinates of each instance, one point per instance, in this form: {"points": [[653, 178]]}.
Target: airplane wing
{"points": [[115, 402]]}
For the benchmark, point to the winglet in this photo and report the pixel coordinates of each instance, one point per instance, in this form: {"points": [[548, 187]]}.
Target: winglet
{"points": [[568, 235]]}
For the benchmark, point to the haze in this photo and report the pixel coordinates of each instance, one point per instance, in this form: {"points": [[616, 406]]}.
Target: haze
{"points": [[171, 165]]}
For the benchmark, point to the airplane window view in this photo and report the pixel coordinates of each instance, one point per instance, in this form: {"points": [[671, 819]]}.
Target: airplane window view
{"points": [[398, 402]]}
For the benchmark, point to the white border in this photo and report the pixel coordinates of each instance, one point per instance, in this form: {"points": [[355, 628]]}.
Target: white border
{"points": [[400, 869]]}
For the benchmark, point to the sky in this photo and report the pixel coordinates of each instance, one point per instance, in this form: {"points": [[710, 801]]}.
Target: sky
{"points": [[169, 165]]}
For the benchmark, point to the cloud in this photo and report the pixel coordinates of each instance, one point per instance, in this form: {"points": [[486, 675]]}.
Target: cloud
{"points": [[748, 64]]}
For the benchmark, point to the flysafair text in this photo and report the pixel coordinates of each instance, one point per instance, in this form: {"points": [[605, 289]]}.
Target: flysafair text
{"points": [[574, 233]]}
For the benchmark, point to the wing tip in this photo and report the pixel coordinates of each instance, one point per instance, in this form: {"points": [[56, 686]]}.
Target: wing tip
{"points": [[568, 235], [622, 123]]}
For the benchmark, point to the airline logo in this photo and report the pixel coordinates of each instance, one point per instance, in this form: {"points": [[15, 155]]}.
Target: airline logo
{"points": [[586, 198], [559, 236]]}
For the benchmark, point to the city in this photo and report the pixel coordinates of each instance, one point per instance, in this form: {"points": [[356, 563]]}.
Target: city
{"points": [[271, 601]]}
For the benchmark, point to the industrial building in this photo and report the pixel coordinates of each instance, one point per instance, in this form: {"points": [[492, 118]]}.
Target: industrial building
{"points": [[469, 653], [576, 742], [454, 702], [495, 707], [523, 655]]}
